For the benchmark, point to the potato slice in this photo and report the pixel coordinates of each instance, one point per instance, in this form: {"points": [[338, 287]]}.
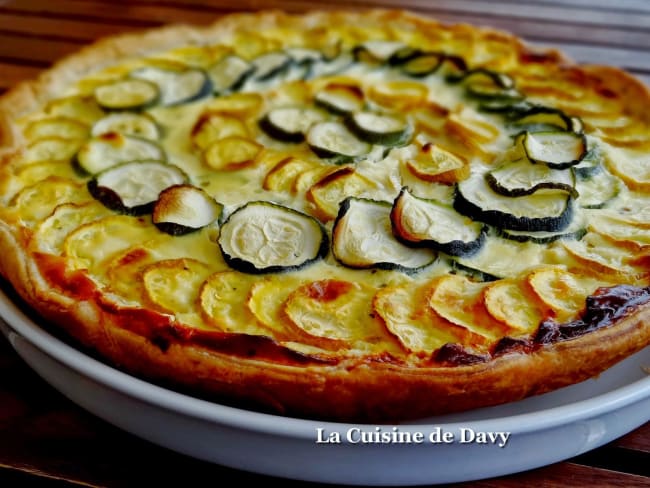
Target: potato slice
{"points": [[50, 234], [238, 104], [330, 311], [62, 127], [81, 108], [283, 175], [124, 272], [231, 153], [416, 326], [265, 302], [212, 126], [53, 148], [93, 243], [333, 188], [223, 299], [460, 301], [628, 235], [173, 285], [399, 95], [37, 201], [435, 163], [562, 291], [511, 302]]}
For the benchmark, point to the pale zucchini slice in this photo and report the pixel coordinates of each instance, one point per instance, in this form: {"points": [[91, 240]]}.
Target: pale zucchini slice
{"points": [[290, 124], [128, 94], [332, 140], [133, 187], [421, 222], [363, 238], [182, 209], [263, 237], [129, 124], [110, 149], [558, 150], [378, 128], [176, 87], [229, 74]]}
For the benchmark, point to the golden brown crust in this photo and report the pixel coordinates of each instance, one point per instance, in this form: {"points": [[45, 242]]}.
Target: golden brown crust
{"points": [[362, 389]]}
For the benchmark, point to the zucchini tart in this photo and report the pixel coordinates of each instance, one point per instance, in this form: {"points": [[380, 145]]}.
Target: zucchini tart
{"points": [[351, 216]]}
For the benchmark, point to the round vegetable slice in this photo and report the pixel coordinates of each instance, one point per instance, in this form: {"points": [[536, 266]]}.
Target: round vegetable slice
{"points": [[422, 64], [129, 94], [231, 153], [182, 209], [363, 238], [558, 150], [517, 178], [270, 65], [378, 51], [176, 87], [289, 124], [128, 123], [112, 148], [376, 128], [332, 140], [229, 74], [212, 126], [340, 99], [133, 188], [420, 222], [263, 237]]}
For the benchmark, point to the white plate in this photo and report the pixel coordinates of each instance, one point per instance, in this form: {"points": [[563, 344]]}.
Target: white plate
{"points": [[543, 430]]}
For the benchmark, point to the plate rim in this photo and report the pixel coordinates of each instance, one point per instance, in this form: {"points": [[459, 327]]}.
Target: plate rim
{"points": [[523, 423]]}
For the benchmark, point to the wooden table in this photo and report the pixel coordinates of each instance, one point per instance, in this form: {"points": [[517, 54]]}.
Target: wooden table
{"points": [[45, 440]]}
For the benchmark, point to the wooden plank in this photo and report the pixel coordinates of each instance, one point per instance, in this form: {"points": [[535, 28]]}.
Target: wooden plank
{"points": [[638, 440], [14, 73], [624, 58], [35, 49], [58, 28], [628, 5]]}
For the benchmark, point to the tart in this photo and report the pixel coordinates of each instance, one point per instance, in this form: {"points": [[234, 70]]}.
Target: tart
{"points": [[361, 216]]}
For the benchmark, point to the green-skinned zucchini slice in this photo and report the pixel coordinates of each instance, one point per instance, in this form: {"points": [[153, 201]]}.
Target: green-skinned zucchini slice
{"points": [[290, 124], [182, 209], [422, 64], [332, 140], [420, 222], [176, 87], [376, 128], [263, 237], [304, 55], [591, 164], [575, 230], [540, 118], [112, 148], [508, 107], [229, 74], [128, 94], [362, 237], [375, 52], [544, 210], [128, 124], [518, 178], [558, 150], [486, 77], [133, 188], [270, 65], [597, 190], [403, 54], [340, 99]]}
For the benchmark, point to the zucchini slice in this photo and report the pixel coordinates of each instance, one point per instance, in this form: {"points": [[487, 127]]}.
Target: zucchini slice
{"points": [[376, 52], [340, 99], [545, 210], [290, 124], [518, 178], [229, 74], [540, 118], [421, 222], [263, 237], [304, 55], [484, 77], [404, 54], [176, 87], [270, 65], [597, 190], [362, 237], [575, 230], [112, 148], [591, 164], [422, 64], [375, 128], [332, 140], [128, 94], [558, 150], [129, 124], [133, 188], [182, 209]]}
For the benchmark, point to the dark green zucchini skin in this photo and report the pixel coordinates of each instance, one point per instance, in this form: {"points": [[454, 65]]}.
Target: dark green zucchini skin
{"points": [[249, 268], [504, 220], [112, 200], [475, 274], [278, 133], [576, 235]]}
